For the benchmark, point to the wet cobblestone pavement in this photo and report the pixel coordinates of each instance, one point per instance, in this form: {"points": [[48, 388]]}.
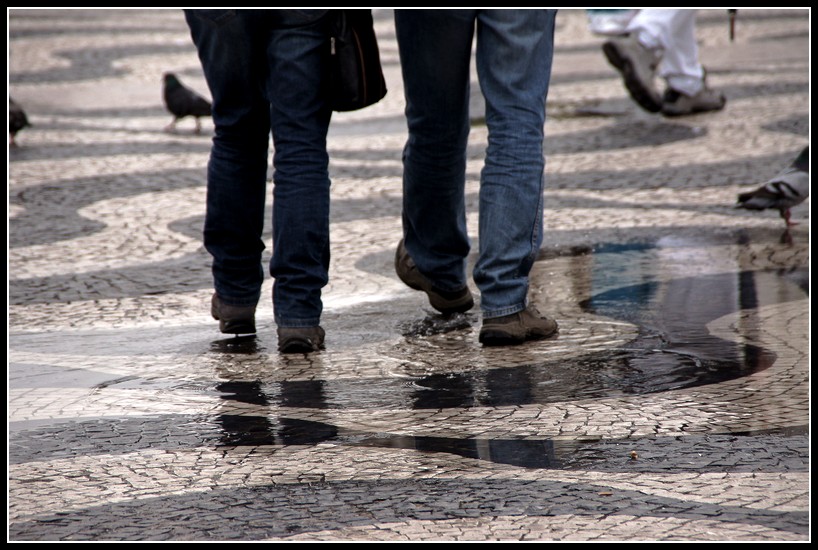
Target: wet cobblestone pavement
{"points": [[673, 405]]}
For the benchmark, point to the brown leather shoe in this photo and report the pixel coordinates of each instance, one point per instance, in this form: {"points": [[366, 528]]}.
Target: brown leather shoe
{"points": [[233, 319], [300, 339], [517, 328], [445, 302]]}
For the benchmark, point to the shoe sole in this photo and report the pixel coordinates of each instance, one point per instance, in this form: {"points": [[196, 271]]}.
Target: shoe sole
{"points": [[298, 345], [502, 337], [632, 82], [444, 306], [236, 327], [491, 338]]}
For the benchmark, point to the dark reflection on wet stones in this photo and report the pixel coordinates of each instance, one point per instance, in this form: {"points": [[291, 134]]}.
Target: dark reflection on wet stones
{"points": [[616, 373], [243, 392], [255, 430], [526, 453], [640, 369], [678, 311], [493, 388], [243, 345], [241, 430], [262, 430], [246, 430]]}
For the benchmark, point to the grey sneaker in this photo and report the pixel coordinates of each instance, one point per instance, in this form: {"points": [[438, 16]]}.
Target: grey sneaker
{"points": [[678, 104], [443, 301], [637, 64], [300, 339], [517, 328], [233, 319]]}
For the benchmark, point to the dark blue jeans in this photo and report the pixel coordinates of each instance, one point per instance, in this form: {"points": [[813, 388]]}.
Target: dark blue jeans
{"points": [[514, 50], [266, 70]]}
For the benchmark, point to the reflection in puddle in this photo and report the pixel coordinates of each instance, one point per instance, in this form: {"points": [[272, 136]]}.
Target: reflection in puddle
{"points": [[246, 345], [674, 349], [256, 431]]}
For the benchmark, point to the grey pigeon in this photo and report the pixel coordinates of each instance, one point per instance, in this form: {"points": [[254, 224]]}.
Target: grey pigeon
{"points": [[183, 102], [787, 189], [17, 121]]}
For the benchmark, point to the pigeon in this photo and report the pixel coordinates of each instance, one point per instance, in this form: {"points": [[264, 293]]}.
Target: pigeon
{"points": [[17, 121], [789, 188], [182, 102]]}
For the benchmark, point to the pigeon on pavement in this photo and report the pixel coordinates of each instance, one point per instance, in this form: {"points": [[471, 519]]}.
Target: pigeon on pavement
{"points": [[17, 121], [182, 102], [787, 189]]}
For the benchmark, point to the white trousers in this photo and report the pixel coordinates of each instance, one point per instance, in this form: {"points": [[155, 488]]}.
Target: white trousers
{"points": [[674, 33]]}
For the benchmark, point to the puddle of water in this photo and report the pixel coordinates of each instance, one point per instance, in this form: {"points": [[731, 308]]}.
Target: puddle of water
{"points": [[256, 431], [674, 349]]}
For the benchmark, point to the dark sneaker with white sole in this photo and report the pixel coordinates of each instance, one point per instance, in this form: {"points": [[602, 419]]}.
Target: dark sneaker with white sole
{"points": [[300, 339], [445, 302], [517, 328], [233, 319]]}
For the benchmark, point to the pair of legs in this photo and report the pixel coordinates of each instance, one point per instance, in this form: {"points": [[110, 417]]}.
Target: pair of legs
{"points": [[514, 50], [266, 70]]}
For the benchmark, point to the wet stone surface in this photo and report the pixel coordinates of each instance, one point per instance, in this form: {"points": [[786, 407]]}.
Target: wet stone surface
{"points": [[673, 405]]}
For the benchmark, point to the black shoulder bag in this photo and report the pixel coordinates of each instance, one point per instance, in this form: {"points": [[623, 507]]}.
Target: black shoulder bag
{"points": [[356, 78]]}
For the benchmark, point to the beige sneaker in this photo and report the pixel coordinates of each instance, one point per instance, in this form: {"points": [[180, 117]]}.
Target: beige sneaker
{"points": [[637, 64], [517, 328]]}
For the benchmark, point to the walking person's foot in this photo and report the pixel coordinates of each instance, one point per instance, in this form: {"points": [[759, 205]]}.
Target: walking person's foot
{"points": [[525, 325], [445, 302], [637, 64], [300, 339], [233, 319]]}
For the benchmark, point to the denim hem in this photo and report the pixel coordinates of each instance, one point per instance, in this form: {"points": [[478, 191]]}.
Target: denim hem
{"points": [[238, 302], [510, 310], [297, 323], [440, 288]]}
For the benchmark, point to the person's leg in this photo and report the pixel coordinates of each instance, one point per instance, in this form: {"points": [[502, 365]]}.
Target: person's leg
{"points": [[297, 50], [435, 52], [674, 33], [236, 174], [636, 63], [514, 53]]}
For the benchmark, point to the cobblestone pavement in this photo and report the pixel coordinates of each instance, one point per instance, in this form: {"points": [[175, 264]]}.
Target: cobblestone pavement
{"points": [[673, 405]]}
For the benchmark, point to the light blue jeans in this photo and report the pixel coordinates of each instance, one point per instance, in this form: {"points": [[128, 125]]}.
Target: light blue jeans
{"points": [[514, 52], [267, 71]]}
